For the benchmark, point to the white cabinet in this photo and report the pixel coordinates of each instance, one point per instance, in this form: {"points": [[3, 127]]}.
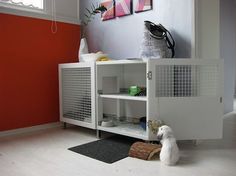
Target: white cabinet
{"points": [[185, 94]]}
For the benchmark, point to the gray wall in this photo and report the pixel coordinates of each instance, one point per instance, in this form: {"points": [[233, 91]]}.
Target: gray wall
{"points": [[121, 37], [68, 9], [228, 49]]}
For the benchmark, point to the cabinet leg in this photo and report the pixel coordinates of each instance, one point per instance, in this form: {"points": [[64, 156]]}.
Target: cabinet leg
{"points": [[64, 125], [98, 134]]}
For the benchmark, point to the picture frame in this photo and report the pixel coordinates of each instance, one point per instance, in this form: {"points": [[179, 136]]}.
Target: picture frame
{"points": [[110, 13], [143, 5], [123, 7]]}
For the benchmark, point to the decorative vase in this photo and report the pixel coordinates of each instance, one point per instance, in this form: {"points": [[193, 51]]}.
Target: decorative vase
{"points": [[153, 48], [83, 49]]}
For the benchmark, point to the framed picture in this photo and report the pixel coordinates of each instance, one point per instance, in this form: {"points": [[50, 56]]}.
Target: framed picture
{"points": [[143, 5], [123, 8], [110, 13]]}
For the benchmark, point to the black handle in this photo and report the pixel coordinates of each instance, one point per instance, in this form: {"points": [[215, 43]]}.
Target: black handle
{"points": [[159, 32]]}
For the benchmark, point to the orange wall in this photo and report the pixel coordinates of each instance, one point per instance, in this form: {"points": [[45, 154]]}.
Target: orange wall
{"points": [[29, 57]]}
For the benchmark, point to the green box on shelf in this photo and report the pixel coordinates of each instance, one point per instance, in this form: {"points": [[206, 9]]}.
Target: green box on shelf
{"points": [[134, 90]]}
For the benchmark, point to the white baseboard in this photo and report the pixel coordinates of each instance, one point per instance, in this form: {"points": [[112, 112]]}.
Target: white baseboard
{"points": [[30, 129]]}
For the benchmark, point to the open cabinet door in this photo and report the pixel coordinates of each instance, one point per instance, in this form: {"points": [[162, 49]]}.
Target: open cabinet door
{"points": [[186, 94]]}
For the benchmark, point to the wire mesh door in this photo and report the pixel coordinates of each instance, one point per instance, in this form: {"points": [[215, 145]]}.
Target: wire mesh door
{"points": [[77, 99], [187, 95]]}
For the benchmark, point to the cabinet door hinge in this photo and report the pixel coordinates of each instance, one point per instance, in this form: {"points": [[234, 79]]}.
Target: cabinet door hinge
{"points": [[149, 75], [221, 99]]}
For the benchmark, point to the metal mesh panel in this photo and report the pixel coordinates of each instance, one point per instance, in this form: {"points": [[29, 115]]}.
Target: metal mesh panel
{"points": [[186, 80], [76, 94]]}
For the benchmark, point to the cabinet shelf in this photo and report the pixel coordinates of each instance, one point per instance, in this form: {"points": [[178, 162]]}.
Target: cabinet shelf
{"points": [[126, 129], [124, 97]]}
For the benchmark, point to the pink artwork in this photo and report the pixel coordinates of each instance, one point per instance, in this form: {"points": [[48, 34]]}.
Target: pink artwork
{"points": [[123, 7], [143, 5], [110, 13]]}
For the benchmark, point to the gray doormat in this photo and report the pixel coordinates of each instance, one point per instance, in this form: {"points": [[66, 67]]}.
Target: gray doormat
{"points": [[107, 150]]}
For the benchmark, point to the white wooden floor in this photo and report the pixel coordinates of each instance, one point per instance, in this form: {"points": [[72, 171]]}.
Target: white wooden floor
{"points": [[45, 154]]}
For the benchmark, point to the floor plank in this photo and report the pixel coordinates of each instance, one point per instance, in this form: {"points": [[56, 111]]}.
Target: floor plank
{"points": [[45, 153]]}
